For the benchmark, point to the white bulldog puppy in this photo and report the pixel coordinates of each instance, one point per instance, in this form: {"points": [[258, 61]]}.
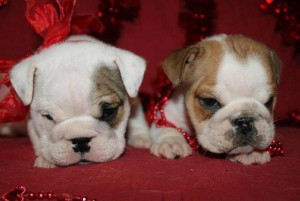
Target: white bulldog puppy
{"points": [[225, 97], [79, 92]]}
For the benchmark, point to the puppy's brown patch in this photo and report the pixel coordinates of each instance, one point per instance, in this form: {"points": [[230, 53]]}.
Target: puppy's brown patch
{"points": [[203, 79], [109, 89]]}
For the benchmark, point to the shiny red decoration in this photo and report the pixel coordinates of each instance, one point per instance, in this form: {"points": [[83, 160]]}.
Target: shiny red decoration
{"points": [[3, 3], [107, 23], [156, 114], [50, 19], [21, 194], [287, 13], [197, 19], [12, 108], [17, 194], [275, 149]]}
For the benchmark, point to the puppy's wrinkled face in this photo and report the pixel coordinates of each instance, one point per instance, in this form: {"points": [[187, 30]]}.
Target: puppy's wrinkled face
{"points": [[81, 119], [78, 92], [231, 94]]}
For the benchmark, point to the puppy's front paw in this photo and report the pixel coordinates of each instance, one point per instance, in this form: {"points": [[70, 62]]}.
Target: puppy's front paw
{"points": [[254, 157], [43, 163], [140, 141], [171, 149]]}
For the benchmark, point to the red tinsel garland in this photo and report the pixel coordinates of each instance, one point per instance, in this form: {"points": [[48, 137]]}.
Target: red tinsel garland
{"points": [[197, 19], [107, 23], [287, 13], [3, 3]]}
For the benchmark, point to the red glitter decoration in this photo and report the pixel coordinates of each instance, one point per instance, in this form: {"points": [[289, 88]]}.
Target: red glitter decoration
{"points": [[21, 194], [50, 23], [50, 19], [12, 108], [107, 24], [287, 13], [3, 3], [197, 19], [156, 112]]}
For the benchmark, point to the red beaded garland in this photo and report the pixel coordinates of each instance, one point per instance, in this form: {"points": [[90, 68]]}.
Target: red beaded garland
{"points": [[275, 149], [20, 193], [158, 115]]}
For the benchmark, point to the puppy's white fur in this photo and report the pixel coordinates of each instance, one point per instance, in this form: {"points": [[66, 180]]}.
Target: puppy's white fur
{"points": [[60, 86]]}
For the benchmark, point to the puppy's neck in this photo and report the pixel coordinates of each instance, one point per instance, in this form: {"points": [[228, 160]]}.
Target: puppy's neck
{"points": [[175, 110]]}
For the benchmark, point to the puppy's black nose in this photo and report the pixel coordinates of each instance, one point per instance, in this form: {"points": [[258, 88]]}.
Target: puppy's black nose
{"points": [[81, 144], [244, 125]]}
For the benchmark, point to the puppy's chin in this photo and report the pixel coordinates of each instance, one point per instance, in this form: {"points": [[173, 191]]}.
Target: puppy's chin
{"points": [[241, 150], [219, 134]]}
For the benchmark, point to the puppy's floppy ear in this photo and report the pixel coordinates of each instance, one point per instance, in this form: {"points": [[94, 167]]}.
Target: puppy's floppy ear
{"points": [[21, 77], [132, 69], [276, 66], [175, 65]]}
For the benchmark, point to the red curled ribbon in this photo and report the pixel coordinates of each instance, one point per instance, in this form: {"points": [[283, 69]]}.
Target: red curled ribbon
{"points": [[50, 19]]}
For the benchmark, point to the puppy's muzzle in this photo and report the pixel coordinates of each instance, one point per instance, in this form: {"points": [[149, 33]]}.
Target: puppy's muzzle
{"points": [[81, 145], [244, 125]]}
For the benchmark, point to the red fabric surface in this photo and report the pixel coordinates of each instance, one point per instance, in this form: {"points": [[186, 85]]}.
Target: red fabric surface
{"points": [[137, 175]]}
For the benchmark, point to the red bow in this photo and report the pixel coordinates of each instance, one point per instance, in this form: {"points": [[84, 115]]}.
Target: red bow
{"points": [[52, 21]]}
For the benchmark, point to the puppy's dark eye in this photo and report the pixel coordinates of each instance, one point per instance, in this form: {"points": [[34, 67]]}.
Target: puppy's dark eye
{"points": [[210, 103], [48, 116], [108, 112], [270, 102]]}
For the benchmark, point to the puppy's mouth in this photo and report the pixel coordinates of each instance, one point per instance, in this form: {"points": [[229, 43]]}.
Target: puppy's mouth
{"points": [[243, 147], [84, 162]]}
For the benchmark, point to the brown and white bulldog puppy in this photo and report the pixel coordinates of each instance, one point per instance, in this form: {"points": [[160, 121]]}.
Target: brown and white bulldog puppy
{"points": [[78, 91], [225, 95]]}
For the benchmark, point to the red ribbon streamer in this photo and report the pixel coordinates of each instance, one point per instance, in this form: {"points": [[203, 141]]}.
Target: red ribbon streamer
{"points": [[50, 19], [11, 107]]}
